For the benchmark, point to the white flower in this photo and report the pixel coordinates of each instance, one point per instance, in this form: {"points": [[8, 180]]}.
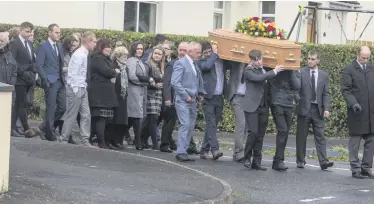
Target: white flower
{"points": [[256, 33]]}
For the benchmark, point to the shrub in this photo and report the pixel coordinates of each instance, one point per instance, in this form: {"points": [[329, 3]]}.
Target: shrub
{"points": [[333, 59]]}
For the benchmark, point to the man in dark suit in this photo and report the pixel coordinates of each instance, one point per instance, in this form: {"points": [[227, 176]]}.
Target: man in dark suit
{"points": [[282, 93], [213, 73], [24, 54], [357, 87], [312, 108], [256, 107], [169, 113], [49, 58]]}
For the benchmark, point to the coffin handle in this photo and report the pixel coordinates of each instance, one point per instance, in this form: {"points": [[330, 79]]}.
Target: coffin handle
{"points": [[290, 58], [266, 55], [241, 51]]}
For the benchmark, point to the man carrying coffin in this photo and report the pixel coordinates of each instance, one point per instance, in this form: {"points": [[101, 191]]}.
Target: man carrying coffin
{"points": [[256, 107], [282, 94]]}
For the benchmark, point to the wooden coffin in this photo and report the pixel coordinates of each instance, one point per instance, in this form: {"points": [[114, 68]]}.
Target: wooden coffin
{"points": [[236, 47]]}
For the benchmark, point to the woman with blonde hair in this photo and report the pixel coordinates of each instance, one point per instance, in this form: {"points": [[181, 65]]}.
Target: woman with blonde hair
{"points": [[155, 64], [115, 129]]}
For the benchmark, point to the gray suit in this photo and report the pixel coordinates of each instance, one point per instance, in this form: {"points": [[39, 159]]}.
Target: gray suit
{"points": [[186, 84], [231, 94], [311, 113], [256, 109]]}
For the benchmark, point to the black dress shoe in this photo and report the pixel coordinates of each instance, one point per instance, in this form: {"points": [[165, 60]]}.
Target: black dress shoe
{"points": [[258, 167], [279, 166], [193, 151], [357, 175], [182, 157], [167, 150], [217, 154], [119, 146], [368, 174], [326, 165]]}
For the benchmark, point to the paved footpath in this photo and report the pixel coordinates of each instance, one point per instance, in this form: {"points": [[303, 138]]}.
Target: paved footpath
{"points": [[55, 173]]}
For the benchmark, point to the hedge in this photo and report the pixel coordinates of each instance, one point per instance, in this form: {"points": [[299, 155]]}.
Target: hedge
{"points": [[333, 59]]}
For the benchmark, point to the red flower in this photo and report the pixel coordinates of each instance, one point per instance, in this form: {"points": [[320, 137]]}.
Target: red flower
{"points": [[270, 28], [280, 35], [267, 21], [255, 18]]}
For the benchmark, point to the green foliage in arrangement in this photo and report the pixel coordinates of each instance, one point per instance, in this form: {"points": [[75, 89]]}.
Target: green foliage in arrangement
{"points": [[333, 59]]}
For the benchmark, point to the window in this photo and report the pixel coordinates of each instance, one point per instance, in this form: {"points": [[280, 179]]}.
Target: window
{"points": [[268, 10], [140, 16], [218, 14]]}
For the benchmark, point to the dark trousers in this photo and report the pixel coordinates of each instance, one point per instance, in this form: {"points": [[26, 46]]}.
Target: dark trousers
{"points": [[212, 108], [98, 125], [282, 117], [170, 118], [149, 128], [136, 124], [367, 160], [114, 133], [257, 122], [21, 106], [318, 125], [55, 100]]}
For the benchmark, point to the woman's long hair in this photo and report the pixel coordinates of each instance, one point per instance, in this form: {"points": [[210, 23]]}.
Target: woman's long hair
{"points": [[101, 45], [161, 63], [66, 44]]}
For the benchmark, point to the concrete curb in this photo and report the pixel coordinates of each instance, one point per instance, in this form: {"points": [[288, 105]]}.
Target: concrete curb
{"points": [[224, 198]]}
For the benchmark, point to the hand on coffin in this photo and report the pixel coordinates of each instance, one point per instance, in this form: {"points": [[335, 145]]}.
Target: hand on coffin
{"points": [[279, 68], [215, 48]]}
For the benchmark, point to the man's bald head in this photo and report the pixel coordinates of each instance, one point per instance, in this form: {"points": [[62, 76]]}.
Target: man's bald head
{"points": [[364, 55]]}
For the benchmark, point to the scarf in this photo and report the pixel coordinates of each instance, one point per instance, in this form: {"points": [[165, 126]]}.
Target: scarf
{"points": [[124, 80]]}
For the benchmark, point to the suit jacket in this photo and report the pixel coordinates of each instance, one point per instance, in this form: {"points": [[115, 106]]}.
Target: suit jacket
{"points": [[209, 74], [255, 80], [236, 73], [322, 94], [26, 66], [49, 64], [357, 86], [167, 89], [185, 82]]}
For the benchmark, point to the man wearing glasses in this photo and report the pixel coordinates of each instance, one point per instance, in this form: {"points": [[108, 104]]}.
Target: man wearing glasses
{"points": [[357, 87]]}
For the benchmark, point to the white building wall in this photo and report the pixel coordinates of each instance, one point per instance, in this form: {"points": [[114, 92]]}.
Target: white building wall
{"points": [[186, 17], [67, 14], [362, 20]]}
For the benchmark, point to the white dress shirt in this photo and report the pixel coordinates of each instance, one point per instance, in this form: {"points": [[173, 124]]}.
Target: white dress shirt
{"points": [[54, 46], [192, 64], [219, 71], [23, 43], [77, 69]]}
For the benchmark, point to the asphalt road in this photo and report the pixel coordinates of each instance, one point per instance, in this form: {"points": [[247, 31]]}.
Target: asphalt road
{"points": [[309, 185]]}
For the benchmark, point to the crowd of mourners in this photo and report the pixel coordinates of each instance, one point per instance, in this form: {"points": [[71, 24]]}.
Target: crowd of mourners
{"points": [[102, 85]]}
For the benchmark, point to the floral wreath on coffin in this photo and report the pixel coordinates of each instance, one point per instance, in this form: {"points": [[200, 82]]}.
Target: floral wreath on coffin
{"points": [[255, 26]]}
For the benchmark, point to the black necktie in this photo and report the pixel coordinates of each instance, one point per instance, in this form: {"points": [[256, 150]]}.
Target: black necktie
{"points": [[27, 49], [314, 95], [55, 48]]}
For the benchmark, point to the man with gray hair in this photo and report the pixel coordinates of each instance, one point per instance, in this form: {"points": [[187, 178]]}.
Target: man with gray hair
{"points": [[187, 83], [357, 87]]}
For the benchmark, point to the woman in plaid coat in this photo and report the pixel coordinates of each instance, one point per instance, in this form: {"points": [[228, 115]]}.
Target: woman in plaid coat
{"points": [[155, 64]]}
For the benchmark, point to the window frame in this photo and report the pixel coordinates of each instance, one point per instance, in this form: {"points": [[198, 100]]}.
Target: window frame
{"points": [[268, 15], [219, 11], [138, 13]]}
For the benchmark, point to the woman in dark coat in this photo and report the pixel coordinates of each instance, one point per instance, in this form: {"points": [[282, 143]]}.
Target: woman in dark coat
{"points": [[115, 130], [101, 95]]}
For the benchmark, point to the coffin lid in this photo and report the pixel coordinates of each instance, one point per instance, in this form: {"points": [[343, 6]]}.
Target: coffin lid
{"points": [[228, 34]]}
